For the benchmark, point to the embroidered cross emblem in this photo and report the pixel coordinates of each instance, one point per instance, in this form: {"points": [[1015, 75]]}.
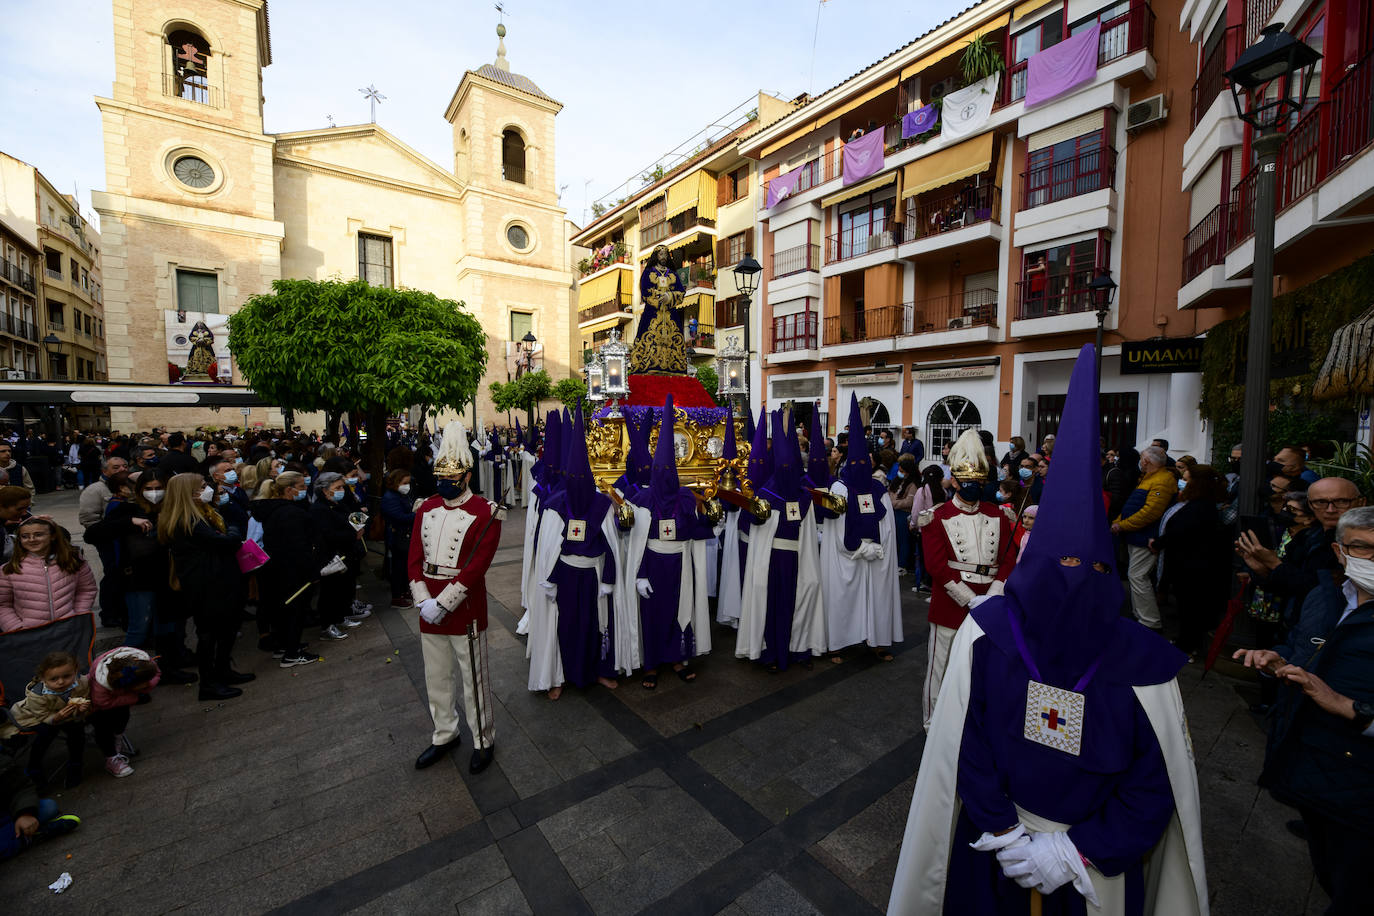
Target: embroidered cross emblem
{"points": [[667, 530], [866, 503], [793, 512], [1053, 719], [577, 530]]}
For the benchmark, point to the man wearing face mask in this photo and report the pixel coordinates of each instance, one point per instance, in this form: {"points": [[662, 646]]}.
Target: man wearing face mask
{"points": [[226, 478], [451, 546], [969, 553], [1321, 739]]}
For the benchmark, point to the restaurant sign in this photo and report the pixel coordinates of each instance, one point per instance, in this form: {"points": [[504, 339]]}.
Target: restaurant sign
{"points": [[1149, 357]]}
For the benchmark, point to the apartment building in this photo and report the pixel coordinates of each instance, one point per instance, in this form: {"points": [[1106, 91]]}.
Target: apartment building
{"points": [[945, 280], [703, 210], [20, 350]]}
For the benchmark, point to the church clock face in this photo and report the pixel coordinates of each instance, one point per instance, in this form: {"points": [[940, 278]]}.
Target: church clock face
{"points": [[193, 172]]}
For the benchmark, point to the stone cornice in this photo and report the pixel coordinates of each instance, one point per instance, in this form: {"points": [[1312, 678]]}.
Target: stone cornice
{"points": [[119, 206], [130, 107], [310, 165]]}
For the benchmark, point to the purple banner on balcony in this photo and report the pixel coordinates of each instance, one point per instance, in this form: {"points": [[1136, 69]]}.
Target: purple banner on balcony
{"points": [[863, 157], [917, 122], [1067, 65], [782, 187]]}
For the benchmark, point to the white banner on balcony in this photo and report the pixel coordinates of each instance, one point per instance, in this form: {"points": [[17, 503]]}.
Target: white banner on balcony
{"points": [[966, 110]]}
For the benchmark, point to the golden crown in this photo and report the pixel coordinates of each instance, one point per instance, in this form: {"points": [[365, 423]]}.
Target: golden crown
{"points": [[448, 466], [967, 470]]}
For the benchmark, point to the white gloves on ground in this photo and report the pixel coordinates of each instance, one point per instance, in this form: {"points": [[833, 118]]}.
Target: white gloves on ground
{"points": [[603, 589], [644, 588], [960, 592], [336, 565], [991, 842], [432, 612], [1047, 863]]}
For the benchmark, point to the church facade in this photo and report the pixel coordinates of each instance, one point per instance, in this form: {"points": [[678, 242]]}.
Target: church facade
{"points": [[203, 209]]}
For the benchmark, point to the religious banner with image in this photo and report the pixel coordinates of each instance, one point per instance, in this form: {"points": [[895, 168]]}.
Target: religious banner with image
{"points": [[863, 156], [782, 187], [964, 111], [1067, 65], [917, 122], [198, 348]]}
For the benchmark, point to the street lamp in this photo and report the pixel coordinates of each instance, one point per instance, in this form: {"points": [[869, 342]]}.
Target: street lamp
{"points": [[1260, 88], [1103, 290], [614, 356], [731, 366], [526, 364], [747, 282], [52, 345], [596, 382]]}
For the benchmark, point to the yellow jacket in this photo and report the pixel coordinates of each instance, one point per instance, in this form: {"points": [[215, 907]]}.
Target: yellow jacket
{"points": [[1141, 512]]}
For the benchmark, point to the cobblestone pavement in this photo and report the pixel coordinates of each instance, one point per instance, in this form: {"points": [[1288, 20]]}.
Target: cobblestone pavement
{"points": [[743, 793]]}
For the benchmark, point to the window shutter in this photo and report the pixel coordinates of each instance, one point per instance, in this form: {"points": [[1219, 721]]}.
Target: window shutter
{"points": [[743, 181], [722, 190], [722, 251], [749, 242]]}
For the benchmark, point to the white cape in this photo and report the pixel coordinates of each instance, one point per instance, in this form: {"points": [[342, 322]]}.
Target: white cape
{"points": [[692, 604], [1175, 879], [731, 574], [808, 621], [862, 598]]}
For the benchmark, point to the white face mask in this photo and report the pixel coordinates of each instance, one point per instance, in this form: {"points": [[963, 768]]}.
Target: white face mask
{"points": [[1361, 572], [206, 495], [153, 496], [404, 489]]}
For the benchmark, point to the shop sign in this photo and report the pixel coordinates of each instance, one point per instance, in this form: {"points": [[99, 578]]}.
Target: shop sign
{"points": [[870, 378], [1163, 356], [954, 372]]}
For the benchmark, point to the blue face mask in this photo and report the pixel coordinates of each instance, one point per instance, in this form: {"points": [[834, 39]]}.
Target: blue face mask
{"points": [[300, 495], [1181, 484], [337, 496], [231, 477], [1025, 473], [971, 492], [449, 489], [351, 481], [222, 499]]}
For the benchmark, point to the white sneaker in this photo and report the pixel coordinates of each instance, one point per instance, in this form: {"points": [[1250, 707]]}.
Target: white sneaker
{"points": [[351, 622], [118, 766], [361, 608], [332, 632]]}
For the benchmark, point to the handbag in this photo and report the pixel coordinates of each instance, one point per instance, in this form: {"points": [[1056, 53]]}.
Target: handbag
{"points": [[251, 557]]}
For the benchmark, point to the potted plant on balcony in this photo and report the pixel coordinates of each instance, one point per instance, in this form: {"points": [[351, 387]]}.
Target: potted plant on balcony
{"points": [[981, 59]]}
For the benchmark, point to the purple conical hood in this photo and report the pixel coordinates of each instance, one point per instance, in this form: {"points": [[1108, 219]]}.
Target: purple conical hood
{"points": [[663, 480], [638, 461], [760, 462], [578, 484], [553, 449], [786, 480], [519, 434], [858, 465], [818, 462], [857, 476], [729, 451]]}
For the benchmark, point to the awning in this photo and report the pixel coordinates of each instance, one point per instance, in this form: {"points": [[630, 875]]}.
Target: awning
{"points": [[113, 394], [885, 86], [704, 300], [599, 289], [971, 157], [862, 187], [680, 243], [695, 189], [1030, 6], [956, 46], [602, 324]]}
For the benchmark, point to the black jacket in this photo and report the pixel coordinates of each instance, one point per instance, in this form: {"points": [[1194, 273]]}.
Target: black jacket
{"points": [[1197, 550], [333, 534], [177, 462], [142, 559], [288, 538], [1297, 574], [1316, 759], [207, 567]]}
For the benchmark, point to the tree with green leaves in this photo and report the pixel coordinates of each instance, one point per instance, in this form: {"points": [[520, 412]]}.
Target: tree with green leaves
{"points": [[571, 392], [344, 346], [523, 393]]}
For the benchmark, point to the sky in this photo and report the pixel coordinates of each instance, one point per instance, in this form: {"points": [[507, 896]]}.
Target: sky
{"points": [[635, 79]]}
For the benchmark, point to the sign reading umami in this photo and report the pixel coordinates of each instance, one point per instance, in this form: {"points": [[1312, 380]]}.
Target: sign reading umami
{"points": [[1146, 357]]}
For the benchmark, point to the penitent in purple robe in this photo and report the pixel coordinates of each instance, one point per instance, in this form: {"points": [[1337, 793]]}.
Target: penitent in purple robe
{"points": [[784, 566], [587, 652]]}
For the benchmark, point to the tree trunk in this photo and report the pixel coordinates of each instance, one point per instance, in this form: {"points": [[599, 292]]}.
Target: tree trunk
{"points": [[331, 425], [374, 457]]}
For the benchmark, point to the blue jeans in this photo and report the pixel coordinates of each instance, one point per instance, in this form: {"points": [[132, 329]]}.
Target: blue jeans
{"points": [[11, 845], [901, 519], [142, 608]]}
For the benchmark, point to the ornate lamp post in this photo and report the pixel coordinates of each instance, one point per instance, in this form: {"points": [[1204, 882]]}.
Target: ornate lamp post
{"points": [[731, 367], [1261, 88], [747, 282], [524, 364], [1103, 289], [595, 374], [614, 356]]}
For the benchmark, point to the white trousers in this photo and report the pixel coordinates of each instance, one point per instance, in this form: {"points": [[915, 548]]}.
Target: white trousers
{"points": [[449, 672], [1138, 572], [937, 660]]}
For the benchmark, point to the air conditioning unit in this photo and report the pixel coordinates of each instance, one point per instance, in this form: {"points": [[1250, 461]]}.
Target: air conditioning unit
{"points": [[1146, 112], [12, 375], [957, 324], [941, 89]]}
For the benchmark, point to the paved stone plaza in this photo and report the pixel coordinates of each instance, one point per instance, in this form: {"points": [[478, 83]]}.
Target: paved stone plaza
{"points": [[745, 792]]}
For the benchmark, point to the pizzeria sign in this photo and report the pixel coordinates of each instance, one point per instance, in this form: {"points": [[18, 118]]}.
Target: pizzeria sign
{"points": [[1150, 357]]}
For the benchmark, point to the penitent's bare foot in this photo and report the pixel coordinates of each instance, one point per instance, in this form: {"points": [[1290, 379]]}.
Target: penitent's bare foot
{"points": [[609, 683], [555, 693]]}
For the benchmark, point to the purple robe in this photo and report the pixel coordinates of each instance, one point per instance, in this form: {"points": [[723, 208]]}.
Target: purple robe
{"points": [[587, 653], [664, 641]]}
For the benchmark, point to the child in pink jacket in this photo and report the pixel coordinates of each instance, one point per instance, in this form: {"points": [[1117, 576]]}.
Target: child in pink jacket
{"points": [[45, 580], [119, 679]]}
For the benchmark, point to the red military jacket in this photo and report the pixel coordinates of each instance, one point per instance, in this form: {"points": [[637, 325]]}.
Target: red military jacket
{"points": [[444, 538], [980, 538]]}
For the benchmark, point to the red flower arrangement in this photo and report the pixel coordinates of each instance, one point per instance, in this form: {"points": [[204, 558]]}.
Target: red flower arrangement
{"points": [[653, 391]]}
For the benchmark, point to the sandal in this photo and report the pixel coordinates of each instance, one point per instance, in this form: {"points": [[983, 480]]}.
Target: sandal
{"points": [[685, 674], [650, 681], [883, 655]]}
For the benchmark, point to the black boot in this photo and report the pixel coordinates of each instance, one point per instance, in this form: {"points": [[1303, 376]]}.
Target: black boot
{"points": [[481, 759], [218, 692]]}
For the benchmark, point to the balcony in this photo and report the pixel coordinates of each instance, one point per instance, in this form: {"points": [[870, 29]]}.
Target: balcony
{"points": [[1203, 246], [620, 304], [703, 341], [20, 278], [656, 232], [1063, 294], [852, 243], [601, 258], [931, 216], [189, 91], [53, 274], [1089, 171], [796, 260], [869, 324], [794, 332], [1132, 31], [1211, 76], [974, 308], [17, 327]]}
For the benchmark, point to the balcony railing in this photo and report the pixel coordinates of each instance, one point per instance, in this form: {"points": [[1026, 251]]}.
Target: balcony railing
{"points": [[1211, 76], [512, 172], [927, 216], [794, 332], [18, 327], [703, 339], [970, 309], [621, 303], [53, 274], [189, 92], [1204, 245], [657, 232], [600, 261], [18, 277], [832, 165], [851, 243], [1351, 124], [796, 260], [1089, 171], [1064, 294], [1257, 16], [1133, 30], [869, 324]]}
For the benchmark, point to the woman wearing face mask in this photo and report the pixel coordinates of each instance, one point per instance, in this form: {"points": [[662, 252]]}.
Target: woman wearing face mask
{"points": [[1197, 557], [288, 541], [204, 560], [335, 536], [397, 509], [903, 491], [929, 495]]}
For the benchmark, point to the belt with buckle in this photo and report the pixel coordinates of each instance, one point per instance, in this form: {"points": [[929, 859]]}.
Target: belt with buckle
{"points": [[973, 568], [441, 571]]}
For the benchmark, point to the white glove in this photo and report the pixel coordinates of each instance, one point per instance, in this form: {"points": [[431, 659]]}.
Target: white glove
{"points": [[644, 588], [431, 611], [960, 592], [336, 565], [991, 842], [1047, 863], [878, 553], [603, 589], [865, 551]]}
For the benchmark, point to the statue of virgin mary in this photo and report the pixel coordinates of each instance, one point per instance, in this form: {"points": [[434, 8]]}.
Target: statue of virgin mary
{"points": [[659, 347]]}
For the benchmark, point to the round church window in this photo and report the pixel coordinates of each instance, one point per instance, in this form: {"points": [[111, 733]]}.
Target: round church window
{"points": [[193, 172], [517, 236]]}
